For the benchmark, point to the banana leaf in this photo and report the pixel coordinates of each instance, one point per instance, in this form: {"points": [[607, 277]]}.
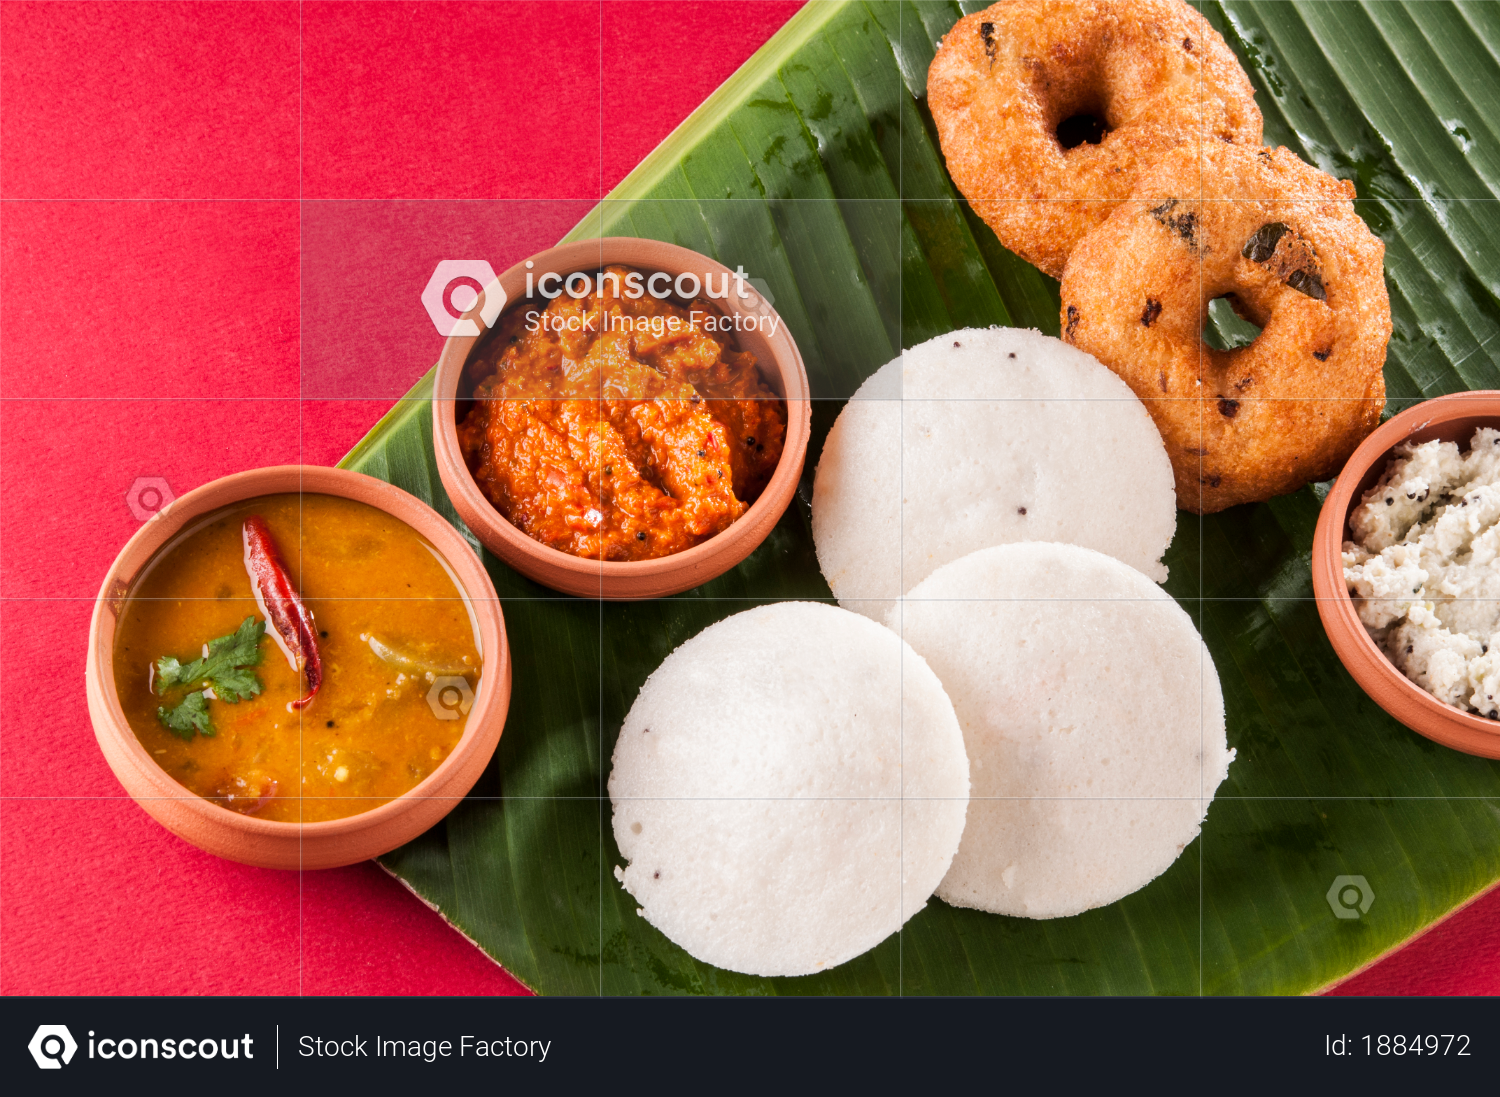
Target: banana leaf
{"points": [[816, 167]]}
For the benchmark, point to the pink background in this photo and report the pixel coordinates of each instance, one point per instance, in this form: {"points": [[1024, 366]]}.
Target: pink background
{"points": [[209, 218]]}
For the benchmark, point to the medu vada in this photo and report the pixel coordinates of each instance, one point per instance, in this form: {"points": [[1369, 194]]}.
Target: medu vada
{"points": [[1282, 242], [1048, 111]]}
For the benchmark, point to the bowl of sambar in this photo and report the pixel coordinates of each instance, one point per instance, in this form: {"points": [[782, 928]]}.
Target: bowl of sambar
{"points": [[297, 667]]}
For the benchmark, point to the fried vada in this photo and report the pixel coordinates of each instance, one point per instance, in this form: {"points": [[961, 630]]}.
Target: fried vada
{"points": [[1282, 243], [1048, 111]]}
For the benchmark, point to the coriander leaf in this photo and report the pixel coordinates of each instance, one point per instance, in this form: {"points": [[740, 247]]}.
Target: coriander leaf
{"points": [[236, 684], [241, 648], [188, 717], [224, 670], [169, 672]]}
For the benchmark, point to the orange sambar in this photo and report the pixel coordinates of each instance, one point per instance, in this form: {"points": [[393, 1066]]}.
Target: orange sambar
{"points": [[399, 648], [620, 427]]}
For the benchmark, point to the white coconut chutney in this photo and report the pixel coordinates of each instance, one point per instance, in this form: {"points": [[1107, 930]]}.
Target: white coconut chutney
{"points": [[1423, 568]]}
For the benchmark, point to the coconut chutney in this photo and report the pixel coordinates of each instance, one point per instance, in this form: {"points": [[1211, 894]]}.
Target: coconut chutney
{"points": [[1423, 568]]}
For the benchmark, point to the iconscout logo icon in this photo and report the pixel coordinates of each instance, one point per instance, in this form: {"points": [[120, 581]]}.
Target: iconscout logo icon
{"points": [[1350, 896], [450, 697], [52, 1046], [452, 291]]}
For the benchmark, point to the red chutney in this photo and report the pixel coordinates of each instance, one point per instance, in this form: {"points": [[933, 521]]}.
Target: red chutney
{"points": [[615, 428]]}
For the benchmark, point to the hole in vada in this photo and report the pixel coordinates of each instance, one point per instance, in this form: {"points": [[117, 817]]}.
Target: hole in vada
{"points": [[1081, 129], [1226, 329]]}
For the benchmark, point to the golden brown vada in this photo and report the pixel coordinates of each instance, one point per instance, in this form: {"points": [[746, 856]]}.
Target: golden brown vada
{"points": [[1048, 111], [1282, 242]]}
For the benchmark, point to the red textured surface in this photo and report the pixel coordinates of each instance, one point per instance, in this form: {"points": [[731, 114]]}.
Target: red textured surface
{"points": [[142, 99], [200, 332], [379, 247], [1458, 956], [451, 100]]}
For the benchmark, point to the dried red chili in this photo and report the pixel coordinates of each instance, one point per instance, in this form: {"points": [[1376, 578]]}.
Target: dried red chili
{"points": [[292, 620]]}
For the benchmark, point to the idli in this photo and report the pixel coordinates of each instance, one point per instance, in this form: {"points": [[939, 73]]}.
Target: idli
{"points": [[788, 789], [986, 437], [1093, 720]]}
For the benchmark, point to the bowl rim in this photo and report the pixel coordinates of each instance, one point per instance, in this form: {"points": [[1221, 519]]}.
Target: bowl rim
{"points": [[143, 545], [1362, 657], [591, 254]]}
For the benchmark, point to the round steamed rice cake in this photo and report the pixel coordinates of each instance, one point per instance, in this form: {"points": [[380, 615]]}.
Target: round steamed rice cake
{"points": [[788, 789], [986, 437], [1093, 719]]}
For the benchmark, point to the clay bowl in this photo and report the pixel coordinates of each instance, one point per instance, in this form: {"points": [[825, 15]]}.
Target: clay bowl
{"points": [[778, 358], [1449, 419], [265, 842]]}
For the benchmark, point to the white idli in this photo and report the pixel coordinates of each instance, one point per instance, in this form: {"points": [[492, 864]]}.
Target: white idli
{"points": [[788, 789], [986, 437], [1093, 719]]}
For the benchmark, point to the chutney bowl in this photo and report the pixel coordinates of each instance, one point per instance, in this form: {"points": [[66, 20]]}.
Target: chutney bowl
{"points": [[776, 353], [1448, 419]]}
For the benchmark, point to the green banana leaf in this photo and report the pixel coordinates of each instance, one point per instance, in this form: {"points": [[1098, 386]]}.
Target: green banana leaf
{"points": [[816, 167]]}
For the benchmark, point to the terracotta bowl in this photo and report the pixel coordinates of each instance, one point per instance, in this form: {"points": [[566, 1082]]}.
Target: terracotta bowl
{"points": [[778, 358], [1449, 419], [264, 842]]}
